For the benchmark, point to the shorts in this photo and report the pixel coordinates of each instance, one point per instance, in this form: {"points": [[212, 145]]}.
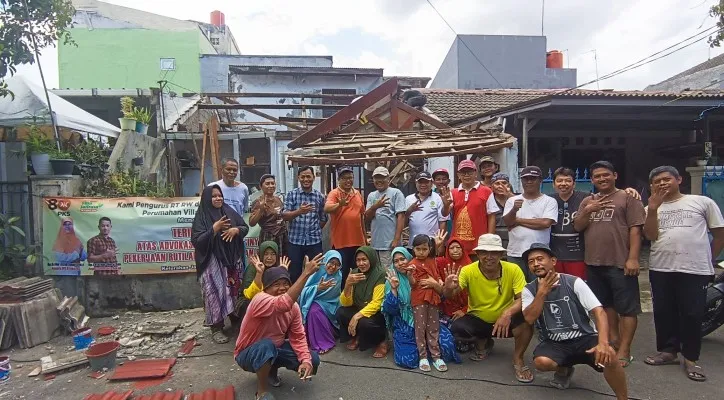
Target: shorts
{"points": [[575, 268], [569, 352], [614, 289], [470, 328], [252, 358]]}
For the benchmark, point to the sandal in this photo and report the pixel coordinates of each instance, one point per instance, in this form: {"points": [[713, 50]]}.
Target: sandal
{"points": [[219, 337], [695, 373], [425, 365], [625, 362], [662, 358], [353, 345], [520, 373], [562, 382], [265, 396], [381, 350], [275, 380], [439, 365], [480, 355]]}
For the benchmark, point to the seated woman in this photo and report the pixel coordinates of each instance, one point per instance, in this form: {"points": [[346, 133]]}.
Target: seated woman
{"points": [[454, 307], [319, 302], [360, 318], [397, 311], [251, 283]]}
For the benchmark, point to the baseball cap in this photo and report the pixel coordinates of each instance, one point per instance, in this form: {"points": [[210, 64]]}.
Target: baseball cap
{"points": [[486, 159], [466, 164], [382, 171], [538, 246], [499, 176], [424, 176], [531, 171], [490, 242], [441, 171], [343, 169]]}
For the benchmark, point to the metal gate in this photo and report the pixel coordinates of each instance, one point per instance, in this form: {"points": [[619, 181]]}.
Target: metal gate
{"points": [[712, 185], [15, 201], [583, 182]]}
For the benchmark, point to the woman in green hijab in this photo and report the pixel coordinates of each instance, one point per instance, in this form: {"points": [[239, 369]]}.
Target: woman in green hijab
{"points": [[251, 282], [360, 318]]}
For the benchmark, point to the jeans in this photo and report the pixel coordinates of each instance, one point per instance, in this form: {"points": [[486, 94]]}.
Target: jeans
{"points": [[296, 253], [252, 358]]}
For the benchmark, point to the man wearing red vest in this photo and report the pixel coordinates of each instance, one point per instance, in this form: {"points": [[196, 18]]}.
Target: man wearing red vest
{"points": [[474, 208]]}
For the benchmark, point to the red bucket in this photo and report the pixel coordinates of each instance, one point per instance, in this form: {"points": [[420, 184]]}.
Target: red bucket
{"points": [[102, 355]]}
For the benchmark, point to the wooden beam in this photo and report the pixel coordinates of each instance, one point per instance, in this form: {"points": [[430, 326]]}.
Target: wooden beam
{"points": [[419, 114], [408, 122], [272, 118], [349, 112], [246, 123], [295, 95], [356, 125], [213, 106], [213, 125], [202, 181], [381, 124]]}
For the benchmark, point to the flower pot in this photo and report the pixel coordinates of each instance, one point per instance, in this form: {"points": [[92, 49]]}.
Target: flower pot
{"points": [[702, 163], [127, 124], [141, 128], [41, 163], [63, 166]]}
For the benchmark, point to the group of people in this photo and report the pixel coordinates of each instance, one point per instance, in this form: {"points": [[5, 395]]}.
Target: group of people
{"points": [[481, 263]]}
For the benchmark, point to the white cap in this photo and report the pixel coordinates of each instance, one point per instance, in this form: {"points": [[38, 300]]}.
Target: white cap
{"points": [[490, 242], [381, 171]]}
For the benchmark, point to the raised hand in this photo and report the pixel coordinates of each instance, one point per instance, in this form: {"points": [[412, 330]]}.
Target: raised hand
{"points": [[258, 265], [452, 281], [313, 265], [285, 262], [633, 193], [222, 224], [306, 208], [353, 279], [440, 237], [414, 207], [324, 285], [342, 200], [453, 269], [549, 282], [518, 204], [394, 281], [598, 205], [381, 202], [657, 197]]}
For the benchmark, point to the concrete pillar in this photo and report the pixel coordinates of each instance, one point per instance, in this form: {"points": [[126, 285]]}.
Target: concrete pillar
{"points": [[696, 173], [237, 154]]}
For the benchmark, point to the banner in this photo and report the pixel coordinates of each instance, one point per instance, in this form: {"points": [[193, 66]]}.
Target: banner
{"points": [[122, 236]]}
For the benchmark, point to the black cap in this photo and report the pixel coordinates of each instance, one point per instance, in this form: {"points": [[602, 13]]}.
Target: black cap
{"points": [[424, 175], [538, 246], [531, 171], [274, 274], [343, 169]]}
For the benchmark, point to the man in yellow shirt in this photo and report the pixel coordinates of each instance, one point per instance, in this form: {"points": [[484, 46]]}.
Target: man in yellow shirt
{"points": [[494, 304]]}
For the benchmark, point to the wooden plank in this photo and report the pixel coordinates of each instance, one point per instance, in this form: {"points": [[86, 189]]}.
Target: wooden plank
{"points": [[291, 95], [213, 106], [381, 124], [356, 125], [203, 161], [349, 112], [421, 115], [394, 115], [408, 122], [59, 363]]}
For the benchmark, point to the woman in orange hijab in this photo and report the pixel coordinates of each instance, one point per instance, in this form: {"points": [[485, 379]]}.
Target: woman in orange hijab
{"points": [[68, 249]]}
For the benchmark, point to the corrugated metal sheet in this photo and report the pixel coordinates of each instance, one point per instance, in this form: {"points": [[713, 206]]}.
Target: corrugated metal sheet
{"points": [[226, 393], [139, 369], [109, 395], [177, 395]]}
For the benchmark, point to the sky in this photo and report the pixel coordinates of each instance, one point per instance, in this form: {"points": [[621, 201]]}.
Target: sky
{"points": [[407, 37]]}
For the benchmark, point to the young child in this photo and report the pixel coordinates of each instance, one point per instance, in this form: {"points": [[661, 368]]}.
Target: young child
{"points": [[425, 300]]}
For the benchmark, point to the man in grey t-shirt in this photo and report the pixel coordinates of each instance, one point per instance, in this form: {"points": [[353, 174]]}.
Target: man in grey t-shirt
{"points": [[236, 194], [560, 304], [386, 211]]}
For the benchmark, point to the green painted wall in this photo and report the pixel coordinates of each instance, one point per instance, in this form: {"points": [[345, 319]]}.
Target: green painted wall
{"points": [[129, 58]]}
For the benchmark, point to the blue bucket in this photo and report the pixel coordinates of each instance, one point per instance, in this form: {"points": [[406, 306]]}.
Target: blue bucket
{"points": [[4, 368], [82, 338]]}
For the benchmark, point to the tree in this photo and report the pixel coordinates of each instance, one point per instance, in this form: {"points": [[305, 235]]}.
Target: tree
{"points": [[26, 26], [717, 11]]}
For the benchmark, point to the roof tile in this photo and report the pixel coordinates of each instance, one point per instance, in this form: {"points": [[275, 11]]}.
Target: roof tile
{"points": [[177, 395], [149, 368], [109, 395], [226, 393]]}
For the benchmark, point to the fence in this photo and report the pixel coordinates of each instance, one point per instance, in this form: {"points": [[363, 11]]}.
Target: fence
{"points": [[15, 201], [712, 185], [583, 182]]}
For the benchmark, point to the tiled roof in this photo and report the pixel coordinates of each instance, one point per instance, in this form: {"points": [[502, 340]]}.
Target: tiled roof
{"points": [[452, 105], [177, 395], [109, 395], [226, 393], [148, 368], [710, 63]]}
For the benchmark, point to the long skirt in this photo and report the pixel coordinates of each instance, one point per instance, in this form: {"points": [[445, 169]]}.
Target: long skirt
{"points": [[320, 331], [217, 297]]}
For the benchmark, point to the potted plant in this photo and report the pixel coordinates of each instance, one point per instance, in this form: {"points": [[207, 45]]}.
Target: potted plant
{"points": [[702, 161], [89, 155], [39, 146], [62, 162], [128, 122], [143, 118]]}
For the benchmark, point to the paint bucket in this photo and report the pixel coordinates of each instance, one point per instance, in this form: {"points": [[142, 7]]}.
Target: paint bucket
{"points": [[82, 338], [102, 355], [4, 368]]}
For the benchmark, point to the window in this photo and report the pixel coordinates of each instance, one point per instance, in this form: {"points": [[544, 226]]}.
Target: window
{"points": [[168, 64], [214, 41]]}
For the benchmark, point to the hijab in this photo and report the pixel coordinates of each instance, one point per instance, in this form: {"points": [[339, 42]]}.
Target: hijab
{"points": [[403, 291], [459, 301], [67, 242], [364, 291], [206, 242], [250, 273], [328, 299]]}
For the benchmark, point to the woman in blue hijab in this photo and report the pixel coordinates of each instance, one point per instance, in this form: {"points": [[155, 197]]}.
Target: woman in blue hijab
{"points": [[319, 302], [398, 314]]}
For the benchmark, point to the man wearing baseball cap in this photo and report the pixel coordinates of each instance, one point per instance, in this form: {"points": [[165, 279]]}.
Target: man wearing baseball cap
{"points": [[427, 212], [560, 305], [386, 211], [441, 178], [474, 207], [494, 304], [488, 168], [529, 217]]}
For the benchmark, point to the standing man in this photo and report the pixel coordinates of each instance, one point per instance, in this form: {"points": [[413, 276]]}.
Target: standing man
{"points": [[442, 187], [502, 191], [474, 208], [236, 194], [611, 221], [681, 265], [386, 211], [427, 212], [488, 168], [304, 209], [102, 250], [529, 217], [347, 208]]}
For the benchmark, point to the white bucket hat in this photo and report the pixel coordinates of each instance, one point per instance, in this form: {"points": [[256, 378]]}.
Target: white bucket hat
{"points": [[490, 242]]}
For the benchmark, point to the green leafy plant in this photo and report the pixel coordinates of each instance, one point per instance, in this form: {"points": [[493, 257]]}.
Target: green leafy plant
{"points": [[89, 152], [61, 154], [127, 107], [142, 114], [12, 255], [37, 142], [123, 183]]}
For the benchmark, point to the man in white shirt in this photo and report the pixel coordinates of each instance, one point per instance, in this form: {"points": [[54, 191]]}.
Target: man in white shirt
{"points": [[529, 217], [681, 266], [236, 194], [427, 212]]}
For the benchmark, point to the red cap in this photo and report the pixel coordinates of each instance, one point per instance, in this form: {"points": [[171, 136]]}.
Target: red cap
{"points": [[466, 164], [441, 171]]}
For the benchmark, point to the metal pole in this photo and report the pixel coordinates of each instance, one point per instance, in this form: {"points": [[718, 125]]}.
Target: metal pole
{"points": [[542, 17], [525, 141]]}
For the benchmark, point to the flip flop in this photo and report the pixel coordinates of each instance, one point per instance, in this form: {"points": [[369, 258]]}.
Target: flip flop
{"points": [[381, 350], [219, 337], [562, 382], [439, 365], [662, 358], [425, 365], [479, 355], [520, 370], [695, 373], [353, 345], [625, 362]]}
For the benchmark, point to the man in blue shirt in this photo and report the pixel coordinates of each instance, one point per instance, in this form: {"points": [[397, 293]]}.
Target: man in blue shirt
{"points": [[304, 209]]}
